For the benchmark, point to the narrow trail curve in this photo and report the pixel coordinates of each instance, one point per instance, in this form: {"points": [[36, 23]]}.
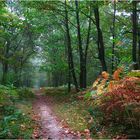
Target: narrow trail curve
{"points": [[50, 127]]}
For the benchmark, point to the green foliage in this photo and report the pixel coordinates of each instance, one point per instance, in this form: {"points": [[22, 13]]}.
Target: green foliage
{"points": [[36, 29], [134, 74], [25, 93], [98, 117], [89, 94], [11, 94], [8, 94], [12, 123]]}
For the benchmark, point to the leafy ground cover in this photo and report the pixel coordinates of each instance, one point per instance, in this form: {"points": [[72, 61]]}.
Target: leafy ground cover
{"points": [[15, 114], [73, 113]]}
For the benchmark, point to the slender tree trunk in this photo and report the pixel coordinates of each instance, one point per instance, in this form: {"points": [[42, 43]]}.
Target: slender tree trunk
{"points": [[69, 67], [70, 56], [113, 35], [134, 45], [69, 75], [85, 55], [16, 77], [82, 68], [139, 42], [139, 47], [5, 63], [5, 71], [100, 41], [20, 74]]}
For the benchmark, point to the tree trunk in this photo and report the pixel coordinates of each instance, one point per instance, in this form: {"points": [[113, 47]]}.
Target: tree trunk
{"points": [[5, 71], [139, 48], [70, 56], [16, 77], [101, 49], [69, 75], [113, 35], [134, 45], [85, 55], [68, 80], [82, 68], [5, 63]]}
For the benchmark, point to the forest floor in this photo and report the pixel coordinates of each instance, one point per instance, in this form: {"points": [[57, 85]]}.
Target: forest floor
{"points": [[53, 113], [64, 115], [51, 126]]}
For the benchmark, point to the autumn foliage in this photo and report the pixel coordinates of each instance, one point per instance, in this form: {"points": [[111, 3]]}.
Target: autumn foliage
{"points": [[126, 92], [118, 101]]}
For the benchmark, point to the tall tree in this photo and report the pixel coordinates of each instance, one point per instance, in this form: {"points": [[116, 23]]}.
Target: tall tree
{"points": [[70, 56], [100, 42], [86, 53], [81, 76], [82, 52], [139, 46], [113, 36], [135, 32]]}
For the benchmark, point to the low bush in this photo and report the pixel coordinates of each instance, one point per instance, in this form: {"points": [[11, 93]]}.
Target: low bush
{"points": [[119, 108], [14, 124], [115, 107], [25, 93], [134, 73], [8, 95]]}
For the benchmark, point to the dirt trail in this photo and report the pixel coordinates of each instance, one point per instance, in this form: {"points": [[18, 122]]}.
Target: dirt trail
{"points": [[50, 126]]}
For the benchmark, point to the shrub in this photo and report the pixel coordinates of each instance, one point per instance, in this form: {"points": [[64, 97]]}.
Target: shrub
{"points": [[25, 93], [121, 106], [14, 124], [7, 95], [118, 108], [134, 73]]}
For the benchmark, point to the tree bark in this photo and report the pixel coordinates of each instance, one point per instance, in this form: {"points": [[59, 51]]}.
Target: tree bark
{"points": [[5, 71], [139, 47], [16, 77], [70, 55], [81, 78], [113, 35], [69, 75], [100, 42], [5, 63], [85, 55], [134, 28]]}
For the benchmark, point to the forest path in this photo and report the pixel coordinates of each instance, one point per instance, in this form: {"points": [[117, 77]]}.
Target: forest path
{"points": [[50, 126]]}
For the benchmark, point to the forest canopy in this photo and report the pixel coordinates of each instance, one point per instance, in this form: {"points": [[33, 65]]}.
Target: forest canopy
{"points": [[67, 41]]}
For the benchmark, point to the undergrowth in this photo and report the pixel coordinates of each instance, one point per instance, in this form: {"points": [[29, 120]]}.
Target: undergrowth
{"points": [[15, 123], [116, 112], [109, 109]]}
